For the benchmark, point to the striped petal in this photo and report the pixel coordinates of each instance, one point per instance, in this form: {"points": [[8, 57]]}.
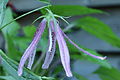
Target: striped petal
{"points": [[51, 49], [32, 46], [64, 53]]}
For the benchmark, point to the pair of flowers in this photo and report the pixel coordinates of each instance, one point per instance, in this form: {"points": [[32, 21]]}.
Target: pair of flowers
{"points": [[55, 35]]}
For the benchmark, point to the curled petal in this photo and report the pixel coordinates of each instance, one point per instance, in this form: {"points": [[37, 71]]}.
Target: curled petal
{"points": [[64, 53], [51, 50], [86, 52], [32, 46]]}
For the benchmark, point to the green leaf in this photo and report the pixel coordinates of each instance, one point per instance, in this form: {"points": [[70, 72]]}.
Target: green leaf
{"points": [[9, 32], [11, 29], [45, 1], [79, 77], [43, 44], [29, 30], [22, 43], [11, 66], [108, 74], [104, 77], [13, 53], [7, 77], [72, 10], [29, 33], [3, 4], [99, 29]]}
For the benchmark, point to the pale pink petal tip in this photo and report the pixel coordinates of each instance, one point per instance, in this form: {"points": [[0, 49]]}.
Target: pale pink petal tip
{"points": [[19, 72], [69, 74]]}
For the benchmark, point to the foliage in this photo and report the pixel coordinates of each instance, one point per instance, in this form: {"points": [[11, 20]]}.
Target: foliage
{"points": [[10, 30], [108, 74], [10, 67], [2, 10], [99, 29], [72, 10]]}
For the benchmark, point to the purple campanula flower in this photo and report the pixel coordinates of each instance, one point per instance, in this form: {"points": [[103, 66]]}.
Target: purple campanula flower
{"points": [[55, 35]]}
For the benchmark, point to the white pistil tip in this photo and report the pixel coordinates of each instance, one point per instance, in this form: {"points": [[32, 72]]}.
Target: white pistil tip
{"points": [[103, 58], [19, 74]]}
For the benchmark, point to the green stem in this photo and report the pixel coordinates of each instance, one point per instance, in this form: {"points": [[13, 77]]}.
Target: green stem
{"points": [[23, 16]]}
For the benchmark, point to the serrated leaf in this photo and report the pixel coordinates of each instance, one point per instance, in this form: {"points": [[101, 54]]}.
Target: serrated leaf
{"points": [[72, 10], [108, 74], [99, 29], [11, 66], [3, 4]]}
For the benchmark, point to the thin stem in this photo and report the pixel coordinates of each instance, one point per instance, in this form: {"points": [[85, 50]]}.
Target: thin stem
{"points": [[23, 16]]}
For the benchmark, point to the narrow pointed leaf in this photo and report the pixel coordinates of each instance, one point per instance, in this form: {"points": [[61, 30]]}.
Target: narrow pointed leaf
{"points": [[9, 32], [12, 28], [7, 77], [79, 77], [11, 66], [3, 4], [72, 10], [13, 53], [99, 29]]}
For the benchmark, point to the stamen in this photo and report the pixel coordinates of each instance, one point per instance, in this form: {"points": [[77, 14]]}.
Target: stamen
{"points": [[86, 52], [51, 50], [64, 52]]}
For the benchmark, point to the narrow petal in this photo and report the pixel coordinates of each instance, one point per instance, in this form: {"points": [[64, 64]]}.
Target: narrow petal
{"points": [[32, 46], [31, 59], [64, 53], [86, 52], [51, 50]]}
